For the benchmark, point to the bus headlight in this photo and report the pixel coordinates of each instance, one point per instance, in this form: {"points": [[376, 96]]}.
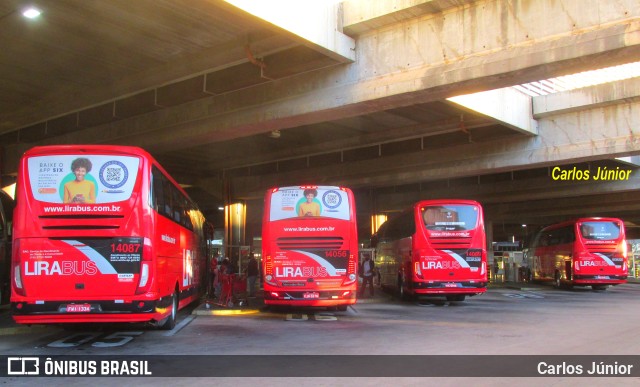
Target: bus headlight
{"points": [[352, 277]]}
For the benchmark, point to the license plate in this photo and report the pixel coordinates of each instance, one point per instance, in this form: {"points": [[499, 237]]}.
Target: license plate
{"points": [[311, 295], [450, 285], [602, 277], [78, 308]]}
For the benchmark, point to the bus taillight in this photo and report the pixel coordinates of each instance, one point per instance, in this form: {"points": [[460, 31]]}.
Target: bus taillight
{"points": [[417, 269], [17, 271], [144, 284], [268, 271], [351, 271], [352, 265], [268, 265], [623, 249]]}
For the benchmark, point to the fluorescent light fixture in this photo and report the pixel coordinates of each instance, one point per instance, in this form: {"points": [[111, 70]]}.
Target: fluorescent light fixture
{"points": [[31, 13]]}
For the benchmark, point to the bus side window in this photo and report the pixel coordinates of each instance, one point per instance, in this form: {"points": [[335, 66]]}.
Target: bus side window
{"points": [[178, 208], [157, 194], [166, 189]]}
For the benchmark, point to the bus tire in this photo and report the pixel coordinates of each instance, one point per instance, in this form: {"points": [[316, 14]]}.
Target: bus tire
{"points": [[557, 281], [599, 287], [456, 298], [401, 292], [342, 308], [170, 321]]}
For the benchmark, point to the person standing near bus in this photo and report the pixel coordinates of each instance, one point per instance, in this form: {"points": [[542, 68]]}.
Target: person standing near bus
{"points": [[252, 275], [309, 208], [80, 190], [214, 276], [367, 268]]}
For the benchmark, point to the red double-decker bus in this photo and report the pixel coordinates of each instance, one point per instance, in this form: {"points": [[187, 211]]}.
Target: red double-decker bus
{"points": [[310, 247], [583, 252], [435, 248], [103, 234]]}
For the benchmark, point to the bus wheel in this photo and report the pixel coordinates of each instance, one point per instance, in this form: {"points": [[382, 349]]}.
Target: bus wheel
{"points": [[342, 308], [170, 321], [557, 281], [456, 298], [401, 292], [400, 288], [599, 287]]}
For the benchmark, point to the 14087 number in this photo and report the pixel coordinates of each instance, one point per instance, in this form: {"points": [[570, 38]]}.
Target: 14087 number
{"points": [[125, 247]]}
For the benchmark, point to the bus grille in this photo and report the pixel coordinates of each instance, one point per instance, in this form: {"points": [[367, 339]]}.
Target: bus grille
{"points": [[80, 227], [294, 243], [601, 248], [462, 243], [81, 222]]}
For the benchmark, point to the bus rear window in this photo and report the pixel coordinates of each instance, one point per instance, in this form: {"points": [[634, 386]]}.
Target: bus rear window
{"points": [[450, 217], [309, 203], [600, 230], [82, 179]]}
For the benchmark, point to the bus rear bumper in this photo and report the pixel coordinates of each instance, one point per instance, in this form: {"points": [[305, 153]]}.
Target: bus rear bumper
{"points": [[585, 280], [53, 312], [310, 298], [446, 288]]}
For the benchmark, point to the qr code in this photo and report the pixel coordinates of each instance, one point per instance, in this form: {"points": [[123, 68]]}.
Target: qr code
{"points": [[332, 199], [114, 174]]}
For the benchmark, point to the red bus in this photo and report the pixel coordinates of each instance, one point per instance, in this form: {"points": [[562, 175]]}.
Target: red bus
{"points": [[310, 247], [584, 252], [435, 248], [6, 221], [103, 234]]}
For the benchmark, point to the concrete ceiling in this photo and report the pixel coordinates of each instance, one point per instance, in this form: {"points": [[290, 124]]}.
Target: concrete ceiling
{"points": [[143, 73], [84, 65]]}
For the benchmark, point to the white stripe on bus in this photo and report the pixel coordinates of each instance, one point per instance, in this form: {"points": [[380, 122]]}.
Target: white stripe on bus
{"points": [[101, 262], [458, 258]]}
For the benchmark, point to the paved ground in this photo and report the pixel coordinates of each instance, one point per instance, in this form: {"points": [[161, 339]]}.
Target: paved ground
{"points": [[508, 320]]}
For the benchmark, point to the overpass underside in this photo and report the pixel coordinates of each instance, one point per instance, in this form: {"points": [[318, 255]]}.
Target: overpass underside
{"points": [[379, 114]]}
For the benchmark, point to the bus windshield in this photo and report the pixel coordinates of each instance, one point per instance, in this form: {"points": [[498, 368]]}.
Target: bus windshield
{"points": [[600, 230], [308, 202], [82, 178], [456, 217]]}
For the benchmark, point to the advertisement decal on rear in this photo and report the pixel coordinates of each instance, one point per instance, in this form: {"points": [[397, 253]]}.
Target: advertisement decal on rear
{"points": [[82, 179], [311, 263], [118, 256]]}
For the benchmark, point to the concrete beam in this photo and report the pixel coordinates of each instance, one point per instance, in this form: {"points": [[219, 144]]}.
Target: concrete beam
{"points": [[507, 105], [599, 133], [595, 205], [633, 161], [317, 25], [513, 191], [586, 97], [365, 15], [481, 46]]}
